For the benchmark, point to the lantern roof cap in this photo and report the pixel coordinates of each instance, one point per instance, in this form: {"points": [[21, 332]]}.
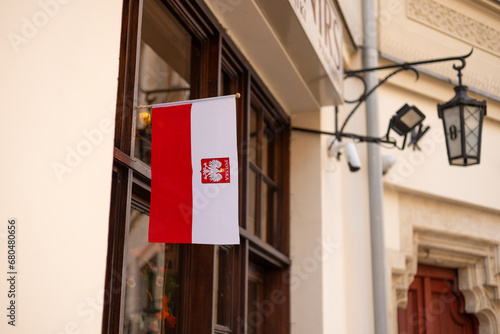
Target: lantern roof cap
{"points": [[461, 98]]}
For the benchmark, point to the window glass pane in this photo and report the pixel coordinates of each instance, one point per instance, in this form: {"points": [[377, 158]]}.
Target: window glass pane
{"points": [[227, 83], [253, 312], [451, 118], [252, 183], [273, 134], [273, 203], [252, 149], [164, 69], [223, 286], [272, 216], [255, 316], [266, 140], [268, 219], [152, 290], [264, 211]]}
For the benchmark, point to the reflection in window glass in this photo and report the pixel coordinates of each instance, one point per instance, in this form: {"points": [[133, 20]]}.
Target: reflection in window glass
{"points": [[255, 319], [223, 276], [266, 151], [265, 162], [164, 69], [252, 149], [264, 211], [152, 291], [252, 182], [227, 84]]}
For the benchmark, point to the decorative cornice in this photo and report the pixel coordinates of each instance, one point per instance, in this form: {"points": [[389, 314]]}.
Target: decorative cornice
{"points": [[455, 24], [488, 7]]}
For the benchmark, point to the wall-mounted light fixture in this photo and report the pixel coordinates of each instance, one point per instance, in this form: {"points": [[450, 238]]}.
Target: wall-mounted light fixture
{"points": [[462, 117], [406, 119], [463, 125]]}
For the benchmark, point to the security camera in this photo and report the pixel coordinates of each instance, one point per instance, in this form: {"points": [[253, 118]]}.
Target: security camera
{"points": [[387, 162], [352, 157], [350, 153]]}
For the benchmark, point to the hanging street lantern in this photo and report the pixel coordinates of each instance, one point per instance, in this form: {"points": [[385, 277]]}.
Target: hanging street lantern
{"points": [[463, 122]]}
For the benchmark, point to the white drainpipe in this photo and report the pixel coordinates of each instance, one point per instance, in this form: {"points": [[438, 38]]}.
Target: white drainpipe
{"points": [[375, 185]]}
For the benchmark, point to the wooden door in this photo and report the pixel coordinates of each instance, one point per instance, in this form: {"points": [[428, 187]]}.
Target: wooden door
{"points": [[435, 305]]}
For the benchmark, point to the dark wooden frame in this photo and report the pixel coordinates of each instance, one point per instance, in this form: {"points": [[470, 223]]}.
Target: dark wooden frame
{"points": [[216, 53]]}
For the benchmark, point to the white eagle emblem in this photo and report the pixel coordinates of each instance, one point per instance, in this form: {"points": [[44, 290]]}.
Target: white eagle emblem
{"points": [[213, 170]]}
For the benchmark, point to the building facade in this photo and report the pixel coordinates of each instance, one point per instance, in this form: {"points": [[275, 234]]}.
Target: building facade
{"points": [[77, 177], [437, 214]]}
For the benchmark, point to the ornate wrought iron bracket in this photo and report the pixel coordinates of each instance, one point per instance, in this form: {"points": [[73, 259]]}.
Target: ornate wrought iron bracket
{"points": [[416, 135]]}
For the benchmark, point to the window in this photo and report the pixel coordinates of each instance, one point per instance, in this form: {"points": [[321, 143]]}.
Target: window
{"points": [[174, 53], [265, 168], [164, 69], [255, 317], [152, 292]]}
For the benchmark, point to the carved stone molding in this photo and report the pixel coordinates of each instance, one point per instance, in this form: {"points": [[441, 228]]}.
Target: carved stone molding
{"points": [[455, 24], [478, 264]]}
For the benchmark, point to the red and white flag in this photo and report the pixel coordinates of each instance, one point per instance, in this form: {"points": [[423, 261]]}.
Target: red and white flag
{"points": [[194, 172]]}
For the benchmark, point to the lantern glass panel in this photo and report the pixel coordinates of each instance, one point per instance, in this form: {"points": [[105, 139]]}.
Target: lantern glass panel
{"points": [[458, 161], [472, 117], [451, 118]]}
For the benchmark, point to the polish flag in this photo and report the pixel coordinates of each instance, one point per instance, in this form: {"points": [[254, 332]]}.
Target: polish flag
{"points": [[194, 172]]}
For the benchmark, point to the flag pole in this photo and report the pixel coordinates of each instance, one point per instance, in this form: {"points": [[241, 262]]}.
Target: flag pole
{"points": [[149, 106]]}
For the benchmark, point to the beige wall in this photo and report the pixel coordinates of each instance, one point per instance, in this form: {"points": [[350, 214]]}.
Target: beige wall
{"points": [[306, 226], [58, 87], [330, 241]]}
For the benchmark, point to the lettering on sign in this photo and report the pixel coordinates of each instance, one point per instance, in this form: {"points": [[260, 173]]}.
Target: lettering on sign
{"points": [[324, 30]]}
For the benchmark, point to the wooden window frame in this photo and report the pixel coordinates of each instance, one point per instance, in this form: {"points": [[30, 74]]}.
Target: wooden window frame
{"points": [[132, 176]]}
